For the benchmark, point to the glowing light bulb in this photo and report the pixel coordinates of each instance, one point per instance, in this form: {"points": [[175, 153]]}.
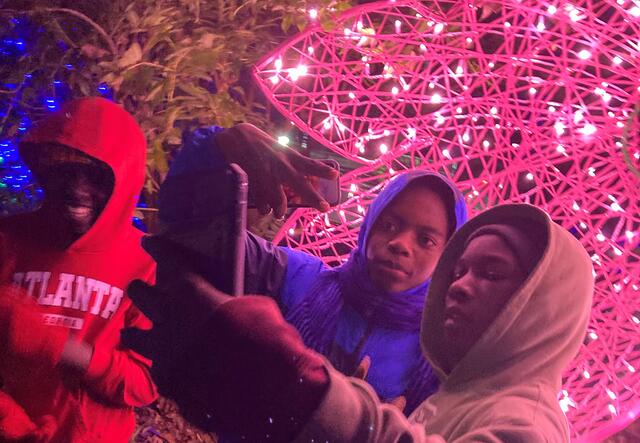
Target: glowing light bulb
{"points": [[296, 73], [353, 187], [313, 14], [446, 153], [395, 90], [552, 9], [561, 149], [274, 79], [584, 54], [532, 91], [459, 70], [559, 128], [436, 99], [493, 110], [278, 64], [612, 409], [588, 129], [635, 11], [466, 137], [586, 374], [540, 26], [593, 335], [383, 148], [486, 144], [507, 24], [438, 28], [352, 95], [423, 47], [398, 25], [310, 50], [529, 176], [283, 140], [291, 231], [617, 60]]}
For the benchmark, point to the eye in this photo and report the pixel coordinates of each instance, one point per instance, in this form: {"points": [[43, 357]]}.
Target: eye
{"points": [[458, 273], [493, 275], [425, 241], [388, 225]]}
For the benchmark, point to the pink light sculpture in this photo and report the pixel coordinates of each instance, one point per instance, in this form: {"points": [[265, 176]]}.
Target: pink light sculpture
{"points": [[516, 101]]}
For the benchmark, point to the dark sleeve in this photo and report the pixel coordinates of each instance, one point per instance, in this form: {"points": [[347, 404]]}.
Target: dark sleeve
{"points": [[265, 267]]}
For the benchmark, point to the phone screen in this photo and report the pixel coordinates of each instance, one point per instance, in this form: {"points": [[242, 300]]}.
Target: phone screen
{"points": [[204, 213]]}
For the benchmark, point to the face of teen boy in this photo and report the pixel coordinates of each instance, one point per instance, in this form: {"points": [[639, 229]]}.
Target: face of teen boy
{"points": [[73, 201], [407, 240], [485, 277]]}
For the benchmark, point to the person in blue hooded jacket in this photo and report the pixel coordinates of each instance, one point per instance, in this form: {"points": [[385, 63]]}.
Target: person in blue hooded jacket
{"points": [[368, 309]]}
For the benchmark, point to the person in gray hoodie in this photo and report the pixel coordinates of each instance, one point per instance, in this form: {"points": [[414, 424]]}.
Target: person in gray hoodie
{"points": [[506, 312]]}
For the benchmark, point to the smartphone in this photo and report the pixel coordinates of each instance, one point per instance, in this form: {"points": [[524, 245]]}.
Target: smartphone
{"points": [[204, 213], [329, 189]]}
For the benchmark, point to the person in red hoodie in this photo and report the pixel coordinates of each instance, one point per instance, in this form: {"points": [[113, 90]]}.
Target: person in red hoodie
{"points": [[65, 376]]}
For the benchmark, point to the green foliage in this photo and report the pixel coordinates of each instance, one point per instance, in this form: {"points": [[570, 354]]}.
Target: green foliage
{"points": [[173, 64]]}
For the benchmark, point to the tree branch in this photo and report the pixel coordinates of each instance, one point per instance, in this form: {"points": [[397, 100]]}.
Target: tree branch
{"points": [[94, 25]]}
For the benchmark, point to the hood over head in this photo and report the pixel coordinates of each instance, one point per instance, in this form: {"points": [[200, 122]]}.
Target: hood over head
{"points": [[454, 202], [540, 329], [106, 132]]}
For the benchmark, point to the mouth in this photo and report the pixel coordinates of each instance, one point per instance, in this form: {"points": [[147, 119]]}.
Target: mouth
{"points": [[391, 267], [454, 314], [79, 211]]}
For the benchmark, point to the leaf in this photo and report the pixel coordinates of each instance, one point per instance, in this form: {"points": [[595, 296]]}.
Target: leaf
{"points": [[206, 40], [159, 157], [133, 18], [131, 56], [287, 20]]}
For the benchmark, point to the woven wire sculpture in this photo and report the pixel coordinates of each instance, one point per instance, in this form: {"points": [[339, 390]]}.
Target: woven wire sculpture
{"points": [[516, 101]]}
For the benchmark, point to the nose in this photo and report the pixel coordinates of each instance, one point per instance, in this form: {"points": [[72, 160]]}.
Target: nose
{"points": [[460, 289], [400, 244]]}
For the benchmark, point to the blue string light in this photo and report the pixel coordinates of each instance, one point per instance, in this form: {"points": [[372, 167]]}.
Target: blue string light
{"points": [[19, 191]]}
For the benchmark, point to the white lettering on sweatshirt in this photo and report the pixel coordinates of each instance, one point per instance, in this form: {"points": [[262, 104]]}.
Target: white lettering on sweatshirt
{"points": [[75, 292]]}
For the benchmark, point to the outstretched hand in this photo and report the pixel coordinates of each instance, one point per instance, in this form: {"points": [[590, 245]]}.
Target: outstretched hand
{"points": [[232, 364], [269, 166]]}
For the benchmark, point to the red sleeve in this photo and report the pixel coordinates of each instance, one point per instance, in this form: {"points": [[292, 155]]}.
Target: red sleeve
{"points": [[121, 375]]}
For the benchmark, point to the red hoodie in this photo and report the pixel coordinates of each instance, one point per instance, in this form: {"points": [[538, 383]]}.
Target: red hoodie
{"points": [[82, 287]]}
